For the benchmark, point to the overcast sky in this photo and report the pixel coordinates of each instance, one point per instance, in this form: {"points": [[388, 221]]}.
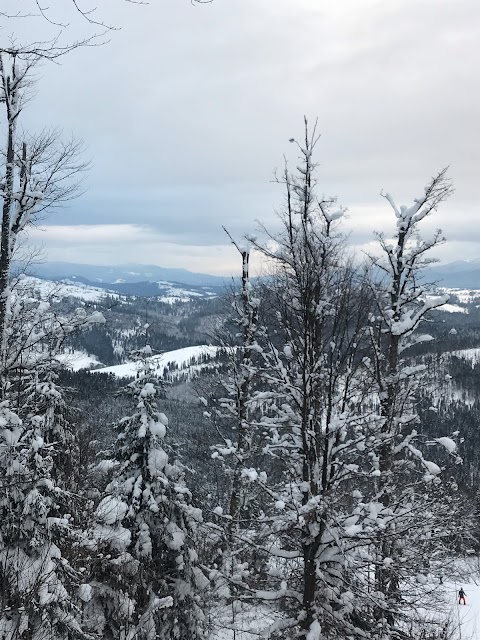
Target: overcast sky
{"points": [[187, 111]]}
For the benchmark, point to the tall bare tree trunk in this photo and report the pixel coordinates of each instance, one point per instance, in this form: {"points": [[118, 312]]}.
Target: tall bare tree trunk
{"points": [[8, 187]]}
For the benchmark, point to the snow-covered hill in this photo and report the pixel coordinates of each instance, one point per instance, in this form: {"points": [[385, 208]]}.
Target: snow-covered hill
{"points": [[76, 360], [170, 292], [465, 296], [48, 288], [459, 299], [460, 274], [465, 619], [179, 360], [162, 290]]}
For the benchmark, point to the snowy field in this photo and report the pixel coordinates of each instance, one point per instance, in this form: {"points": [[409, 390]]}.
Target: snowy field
{"points": [[465, 296], [168, 292], [180, 357], [172, 293], [248, 624], [240, 622], [452, 308], [47, 288]]}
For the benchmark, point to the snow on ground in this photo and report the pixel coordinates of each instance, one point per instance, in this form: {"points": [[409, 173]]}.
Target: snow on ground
{"points": [[465, 296], [77, 360], [471, 355], [240, 622], [48, 288], [453, 308], [247, 622], [465, 618], [180, 357], [173, 299], [449, 308], [174, 294]]}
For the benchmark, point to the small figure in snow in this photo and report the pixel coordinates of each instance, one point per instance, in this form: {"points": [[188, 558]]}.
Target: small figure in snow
{"points": [[461, 596]]}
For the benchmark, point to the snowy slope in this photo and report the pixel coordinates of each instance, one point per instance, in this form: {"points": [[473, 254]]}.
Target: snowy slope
{"points": [[77, 360], [465, 296], [48, 288], [453, 308], [168, 292], [180, 357], [247, 622], [471, 355], [240, 621], [465, 618], [171, 293], [462, 296]]}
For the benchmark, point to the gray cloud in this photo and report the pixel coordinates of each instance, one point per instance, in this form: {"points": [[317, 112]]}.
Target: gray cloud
{"points": [[188, 110]]}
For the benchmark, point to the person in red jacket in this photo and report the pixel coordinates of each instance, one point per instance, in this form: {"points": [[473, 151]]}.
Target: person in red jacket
{"points": [[461, 596]]}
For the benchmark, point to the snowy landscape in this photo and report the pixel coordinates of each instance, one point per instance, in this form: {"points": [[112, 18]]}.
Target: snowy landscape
{"points": [[239, 345]]}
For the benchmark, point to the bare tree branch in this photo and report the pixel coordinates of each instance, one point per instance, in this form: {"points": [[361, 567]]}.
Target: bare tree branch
{"points": [[89, 14]]}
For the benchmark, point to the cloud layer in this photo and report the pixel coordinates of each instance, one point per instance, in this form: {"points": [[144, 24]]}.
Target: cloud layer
{"points": [[188, 110]]}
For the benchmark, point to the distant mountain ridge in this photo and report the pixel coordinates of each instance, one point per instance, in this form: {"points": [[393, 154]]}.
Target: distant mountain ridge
{"points": [[123, 274], [144, 280], [133, 279], [461, 274]]}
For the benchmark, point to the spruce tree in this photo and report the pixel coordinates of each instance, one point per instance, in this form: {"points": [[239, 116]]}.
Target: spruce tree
{"points": [[146, 583], [40, 589]]}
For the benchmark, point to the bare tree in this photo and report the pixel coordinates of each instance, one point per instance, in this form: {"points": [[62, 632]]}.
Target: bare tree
{"points": [[237, 406], [40, 172], [419, 510]]}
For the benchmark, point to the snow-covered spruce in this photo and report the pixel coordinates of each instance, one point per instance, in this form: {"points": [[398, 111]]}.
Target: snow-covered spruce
{"points": [[43, 401], [145, 582], [39, 597]]}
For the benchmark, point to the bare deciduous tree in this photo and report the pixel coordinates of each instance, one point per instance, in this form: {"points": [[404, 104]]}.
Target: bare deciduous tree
{"points": [[419, 506], [39, 172]]}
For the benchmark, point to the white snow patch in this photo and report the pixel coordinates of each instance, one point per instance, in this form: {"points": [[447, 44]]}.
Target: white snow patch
{"points": [[48, 288], [76, 360], [111, 510], [180, 357], [449, 444], [452, 308], [471, 355]]}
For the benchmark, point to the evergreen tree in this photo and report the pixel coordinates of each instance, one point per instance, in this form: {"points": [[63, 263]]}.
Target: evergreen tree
{"points": [[39, 595], [146, 583]]}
